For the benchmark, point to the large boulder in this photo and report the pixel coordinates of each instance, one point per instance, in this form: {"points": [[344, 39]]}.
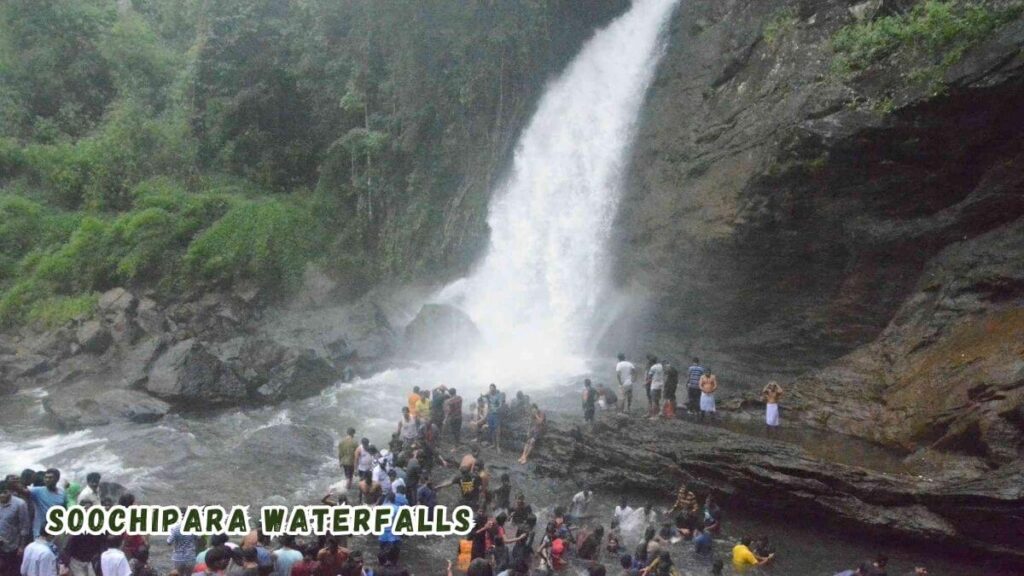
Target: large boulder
{"points": [[190, 374], [276, 371], [117, 301], [93, 337], [76, 408], [440, 332]]}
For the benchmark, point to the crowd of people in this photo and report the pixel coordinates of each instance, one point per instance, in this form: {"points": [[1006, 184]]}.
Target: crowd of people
{"points": [[507, 539]]}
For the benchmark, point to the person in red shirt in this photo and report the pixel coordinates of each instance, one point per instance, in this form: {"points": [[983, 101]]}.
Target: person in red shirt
{"points": [[308, 566]]}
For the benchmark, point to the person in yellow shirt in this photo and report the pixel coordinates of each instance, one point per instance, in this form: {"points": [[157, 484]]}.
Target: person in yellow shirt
{"points": [[743, 558], [423, 407], [414, 400]]}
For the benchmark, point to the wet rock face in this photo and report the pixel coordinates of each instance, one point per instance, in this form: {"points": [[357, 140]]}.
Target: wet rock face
{"points": [[659, 456], [188, 373], [950, 366], [440, 332], [773, 223], [777, 222], [72, 410]]}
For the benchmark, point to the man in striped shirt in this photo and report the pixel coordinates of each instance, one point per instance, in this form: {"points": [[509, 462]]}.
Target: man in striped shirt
{"points": [[693, 386]]}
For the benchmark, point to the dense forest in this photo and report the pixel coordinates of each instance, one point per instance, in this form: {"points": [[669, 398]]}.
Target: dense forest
{"points": [[186, 145]]}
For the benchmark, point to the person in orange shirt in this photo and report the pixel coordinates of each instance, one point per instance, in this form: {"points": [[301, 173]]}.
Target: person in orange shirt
{"points": [[414, 399]]}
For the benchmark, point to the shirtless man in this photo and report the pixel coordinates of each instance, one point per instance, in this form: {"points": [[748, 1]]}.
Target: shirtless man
{"points": [[537, 422], [708, 386], [771, 394]]}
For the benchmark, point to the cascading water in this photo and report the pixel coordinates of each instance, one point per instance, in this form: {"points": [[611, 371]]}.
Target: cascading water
{"points": [[535, 294]]}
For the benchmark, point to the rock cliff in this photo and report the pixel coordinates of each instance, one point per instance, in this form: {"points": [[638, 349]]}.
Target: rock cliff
{"points": [[859, 231]]}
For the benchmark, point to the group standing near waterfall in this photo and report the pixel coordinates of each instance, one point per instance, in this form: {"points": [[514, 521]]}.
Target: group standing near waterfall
{"points": [[504, 541], [661, 380]]}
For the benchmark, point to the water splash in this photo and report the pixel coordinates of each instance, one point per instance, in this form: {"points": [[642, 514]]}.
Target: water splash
{"points": [[535, 294]]}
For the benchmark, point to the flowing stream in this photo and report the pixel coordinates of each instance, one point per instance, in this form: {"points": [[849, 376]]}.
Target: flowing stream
{"points": [[534, 297]]}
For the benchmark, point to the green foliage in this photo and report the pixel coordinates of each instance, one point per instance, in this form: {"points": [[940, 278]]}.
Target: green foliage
{"points": [[168, 143], [141, 66], [58, 82], [59, 310], [935, 31], [782, 24], [266, 242], [98, 172]]}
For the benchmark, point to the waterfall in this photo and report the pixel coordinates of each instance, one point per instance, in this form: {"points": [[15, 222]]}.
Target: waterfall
{"points": [[537, 289]]}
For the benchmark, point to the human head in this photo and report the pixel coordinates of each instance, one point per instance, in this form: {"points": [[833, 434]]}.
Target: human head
{"points": [[654, 359], [51, 477], [405, 411], [505, 479], [351, 431], [596, 570], [364, 442], [218, 540], [626, 561], [114, 540], [500, 519], [13, 482], [92, 479], [415, 389], [142, 554], [127, 499], [586, 382], [492, 388], [696, 360], [745, 540], [5, 492], [480, 567], [451, 392], [218, 558], [622, 357]]}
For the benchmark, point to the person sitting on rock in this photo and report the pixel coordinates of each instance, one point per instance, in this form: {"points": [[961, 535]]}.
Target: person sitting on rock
{"points": [[686, 501]]}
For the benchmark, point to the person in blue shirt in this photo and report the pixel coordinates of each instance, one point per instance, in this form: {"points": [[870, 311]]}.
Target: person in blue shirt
{"points": [[693, 374], [390, 544], [426, 496], [45, 497], [702, 542]]}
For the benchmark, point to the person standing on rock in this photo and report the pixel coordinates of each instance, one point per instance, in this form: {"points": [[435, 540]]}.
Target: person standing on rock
{"points": [[625, 371], [453, 414], [651, 361], [364, 467], [693, 375], [495, 402], [771, 395], [91, 491], [589, 400], [45, 497], [414, 399], [15, 530], [708, 386], [408, 428], [346, 454], [656, 376], [671, 384], [537, 422]]}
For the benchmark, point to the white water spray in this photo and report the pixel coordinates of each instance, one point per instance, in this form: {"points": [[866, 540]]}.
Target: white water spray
{"points": [[535, 294]]}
